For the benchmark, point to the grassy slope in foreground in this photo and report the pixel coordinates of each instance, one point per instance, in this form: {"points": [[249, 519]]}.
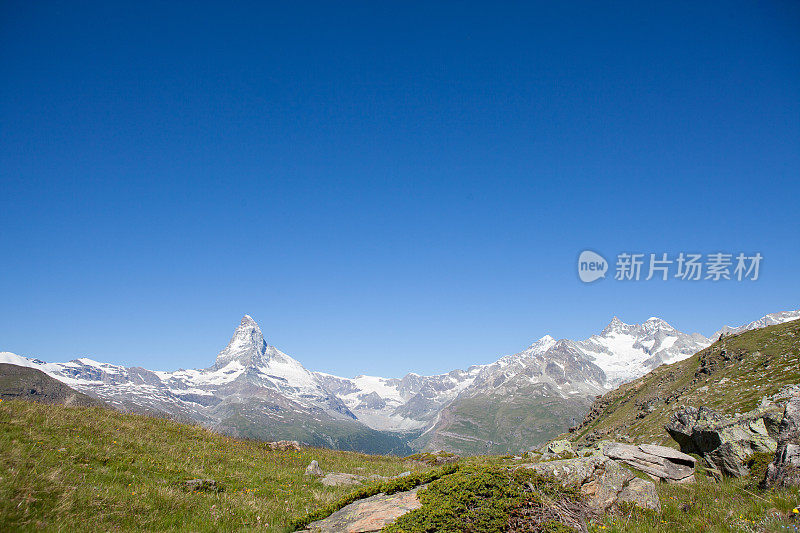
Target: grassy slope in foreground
{"points": [[754, 364], [93, 468]]}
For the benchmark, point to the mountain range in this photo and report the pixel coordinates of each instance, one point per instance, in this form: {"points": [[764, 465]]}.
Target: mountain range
{"points": [[255, 390]]}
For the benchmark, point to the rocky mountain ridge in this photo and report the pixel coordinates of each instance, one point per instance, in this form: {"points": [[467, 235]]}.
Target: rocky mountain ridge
{"points": [[254, 389]]}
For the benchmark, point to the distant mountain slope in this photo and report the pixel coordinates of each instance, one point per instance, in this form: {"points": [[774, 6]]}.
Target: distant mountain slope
{"points": [[252, 390], [730, 376], [768, 320], [521, 399], [23, 383]]}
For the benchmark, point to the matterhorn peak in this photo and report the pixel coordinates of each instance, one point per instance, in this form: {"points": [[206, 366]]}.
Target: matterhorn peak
{"points": [[247, 346]]}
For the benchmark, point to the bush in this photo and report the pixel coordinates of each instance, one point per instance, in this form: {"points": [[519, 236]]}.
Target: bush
{"points": [[494, 499], [758, 463]]}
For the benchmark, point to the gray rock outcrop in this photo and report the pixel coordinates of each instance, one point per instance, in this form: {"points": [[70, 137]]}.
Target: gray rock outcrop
{"points": [[785, 469], [726, 442], [603, 481]]}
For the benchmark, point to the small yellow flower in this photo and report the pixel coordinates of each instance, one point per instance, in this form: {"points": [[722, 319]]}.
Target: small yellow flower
{"points": [[796, 510]]}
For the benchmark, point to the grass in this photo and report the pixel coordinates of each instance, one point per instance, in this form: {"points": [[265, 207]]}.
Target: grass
{"points": [[88, 468], [730, 505], [97, 469]]}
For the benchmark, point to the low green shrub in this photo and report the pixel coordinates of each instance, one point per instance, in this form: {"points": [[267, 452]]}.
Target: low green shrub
{"points": [[494, 499]]}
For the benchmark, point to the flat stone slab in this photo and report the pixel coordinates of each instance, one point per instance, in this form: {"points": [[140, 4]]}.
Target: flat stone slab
{"points": [[369, 514], [666, 468], [668, 453]]}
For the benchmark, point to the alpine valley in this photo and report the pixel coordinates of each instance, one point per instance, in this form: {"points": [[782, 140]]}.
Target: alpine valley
{"points": [[254, 390]]}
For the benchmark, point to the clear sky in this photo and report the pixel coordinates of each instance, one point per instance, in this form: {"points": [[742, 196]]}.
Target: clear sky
{"points": [[385, 186]]}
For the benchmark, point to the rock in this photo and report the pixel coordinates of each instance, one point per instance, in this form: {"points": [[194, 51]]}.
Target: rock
{"points": [[604, 485], [784, 471], [573, 472], [314, 470], [602, 480], [558, 447], [202, 485], [726, 442], [404, 474], [283, 445], [641, 493], [337, 479], [369, 514], [658, 462]]}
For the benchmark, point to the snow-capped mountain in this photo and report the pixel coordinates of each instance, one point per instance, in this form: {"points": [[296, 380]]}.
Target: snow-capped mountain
{"points": [[254, 389], [628, 351], [768, 320]]}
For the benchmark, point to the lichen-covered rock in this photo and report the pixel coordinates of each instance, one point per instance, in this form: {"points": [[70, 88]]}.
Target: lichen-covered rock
{"points": [[785, 469], [726, 442], [641, 493], [601, 479], [559, 447], [604, 485], [369, 514]]}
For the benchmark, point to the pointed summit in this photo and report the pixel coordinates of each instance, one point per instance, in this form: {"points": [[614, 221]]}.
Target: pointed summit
{"points": [[247, 346], [615, 325]]}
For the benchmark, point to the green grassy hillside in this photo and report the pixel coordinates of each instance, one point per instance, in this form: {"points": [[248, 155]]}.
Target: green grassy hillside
{"points": [[731, 376], [97, 469], [489, 424], [92, 469]]}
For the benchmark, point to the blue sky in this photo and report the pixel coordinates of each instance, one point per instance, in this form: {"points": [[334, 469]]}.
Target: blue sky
{"points": [[385, 186]]}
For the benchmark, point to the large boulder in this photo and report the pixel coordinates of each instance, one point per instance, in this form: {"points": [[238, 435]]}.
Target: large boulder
{"points": [[604, 482], [785, 469], [659, 462], [726, 442]]}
